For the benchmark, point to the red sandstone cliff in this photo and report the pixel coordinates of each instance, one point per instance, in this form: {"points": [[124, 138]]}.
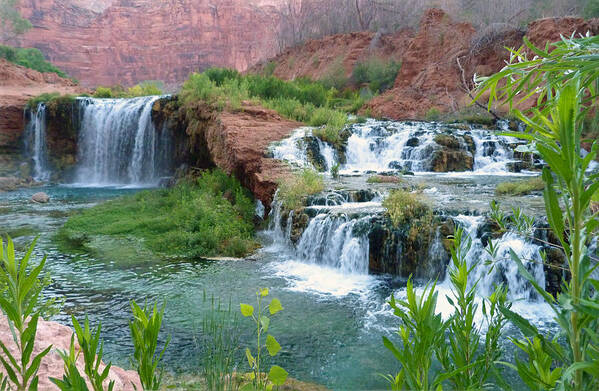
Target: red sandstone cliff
{"points": [[128, 41]]}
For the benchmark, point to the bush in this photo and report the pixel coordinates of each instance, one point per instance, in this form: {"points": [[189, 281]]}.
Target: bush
{"points": [[520, 187], [30, 58], [405, 207], [103, 92], [379, 75], [145, 88], [293, 190], [335, 76], [220, 75], [196, 219], [433, 114]]}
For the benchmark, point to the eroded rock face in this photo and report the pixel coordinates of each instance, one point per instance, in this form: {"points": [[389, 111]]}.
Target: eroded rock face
{"points": [[59, 336], [128, 41]]}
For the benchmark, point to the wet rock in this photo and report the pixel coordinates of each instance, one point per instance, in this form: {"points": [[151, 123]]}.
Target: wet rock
{"points": [[40, 197], [445, 160], [395, 165], [447, 141], [470, 143], [554, 269], [313, 153], [9, 183], [299, 223], [413, 142]]}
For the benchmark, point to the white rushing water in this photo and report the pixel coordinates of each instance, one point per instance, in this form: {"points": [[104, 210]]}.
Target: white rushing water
{"points": [[383, 145], [119, 144], [35, 137]]}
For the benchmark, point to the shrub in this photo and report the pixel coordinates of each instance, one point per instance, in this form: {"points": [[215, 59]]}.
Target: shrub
{"points": [[433, 114], [219, 75], [379, 75], [335, 75], [293, 190], [30, 58], [145, 88], [403, 207], [520, 187], [103, 92]]}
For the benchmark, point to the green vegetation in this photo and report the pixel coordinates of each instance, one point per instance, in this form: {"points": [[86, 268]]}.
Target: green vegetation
{"points": [[30, 58], [377, 74], [334, 76], [11, 21], [293, 190], [433, 114], [211, 216], [145, 88], [145, 328], [50, 98], [403, 207], [21, 303], [517, 188], [301, 99], [383, 179], [277, 375]]}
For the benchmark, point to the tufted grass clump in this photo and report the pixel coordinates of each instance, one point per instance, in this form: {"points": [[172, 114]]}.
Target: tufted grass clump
{"points": [[403, 207], [518, 188], [293, 190], [212, 216]]}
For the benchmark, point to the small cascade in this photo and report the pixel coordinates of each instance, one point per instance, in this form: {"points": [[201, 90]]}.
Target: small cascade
{"points": [[35, 139], [503, 269], [405, 146], [329, 240], [118, 143]]}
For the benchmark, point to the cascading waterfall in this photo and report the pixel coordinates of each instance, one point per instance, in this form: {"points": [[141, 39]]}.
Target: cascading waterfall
{"points": [[503, 270], [384, 145], [118, 143], [35, 138]]}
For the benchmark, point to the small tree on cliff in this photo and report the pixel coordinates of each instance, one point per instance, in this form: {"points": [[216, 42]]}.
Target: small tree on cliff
{"points": [[11, 21]]}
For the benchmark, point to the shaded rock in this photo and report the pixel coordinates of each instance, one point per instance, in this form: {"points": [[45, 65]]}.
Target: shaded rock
{"points": [[445, 160], [313, 153], [413, 142], [40, 197]]}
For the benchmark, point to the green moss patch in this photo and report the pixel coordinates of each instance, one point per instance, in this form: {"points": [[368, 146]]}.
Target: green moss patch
{"points": [[520, 187], [212, 216]]}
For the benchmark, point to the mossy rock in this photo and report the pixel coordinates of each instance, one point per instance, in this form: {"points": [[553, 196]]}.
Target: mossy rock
{"points": [[446, 160]]}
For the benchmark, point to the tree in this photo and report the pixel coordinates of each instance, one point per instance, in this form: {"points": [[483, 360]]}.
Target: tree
{"points": [[11, 21]]}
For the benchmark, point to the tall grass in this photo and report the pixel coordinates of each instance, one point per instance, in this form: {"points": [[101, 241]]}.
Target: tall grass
{"points": [[293, 190]]}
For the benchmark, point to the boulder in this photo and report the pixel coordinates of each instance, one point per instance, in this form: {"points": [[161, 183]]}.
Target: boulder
{"points": [[40, 197]]}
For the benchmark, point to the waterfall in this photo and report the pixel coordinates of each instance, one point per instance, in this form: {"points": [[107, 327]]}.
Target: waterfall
{"points": [[118, 143], [408, 146], [35, 139], [503, 269]]}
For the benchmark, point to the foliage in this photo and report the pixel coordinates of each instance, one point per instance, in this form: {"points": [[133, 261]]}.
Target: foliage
{"points": [[565, 82], [520, 187], [465, 365], [433, 114], [277, 375], [403, 207], [211, 216], [52, 98], [20, 303], [145, 88], [29, 58], [378, 74], [294, 189], [383, 179], [335, 171], [145, 328], [334, 76], [220, 333], [92, 349], [422, 332]]}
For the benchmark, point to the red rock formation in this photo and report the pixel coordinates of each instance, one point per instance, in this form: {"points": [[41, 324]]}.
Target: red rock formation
{"points": [[238, 146], [128, 41], [59, 336]]}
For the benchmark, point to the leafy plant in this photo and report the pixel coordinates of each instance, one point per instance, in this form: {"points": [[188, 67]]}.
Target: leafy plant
{"points": [[21, 304], [30, 58], [277, 375], [422, 332], [92, 349], [71, 379], [103, 92], [335, 171], [564, 80], [145, 328], [403, 206], [378, 74]]}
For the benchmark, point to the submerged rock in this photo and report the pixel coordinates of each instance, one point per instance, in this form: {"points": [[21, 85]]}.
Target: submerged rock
{"points": [[40, 197]]}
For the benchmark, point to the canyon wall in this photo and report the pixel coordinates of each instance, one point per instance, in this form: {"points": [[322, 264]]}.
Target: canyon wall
{"points": [[128, 41]]}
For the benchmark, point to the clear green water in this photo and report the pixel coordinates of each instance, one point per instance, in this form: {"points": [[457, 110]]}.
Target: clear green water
{"points": [[330, 329]]}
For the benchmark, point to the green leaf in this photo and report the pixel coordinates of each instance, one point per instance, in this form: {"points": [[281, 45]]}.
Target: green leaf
{"points": [[263, 292], [246, 309], [527, 328], [264, 322], [275, 306], [277, 375], [251, 359], [272, 345]]}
